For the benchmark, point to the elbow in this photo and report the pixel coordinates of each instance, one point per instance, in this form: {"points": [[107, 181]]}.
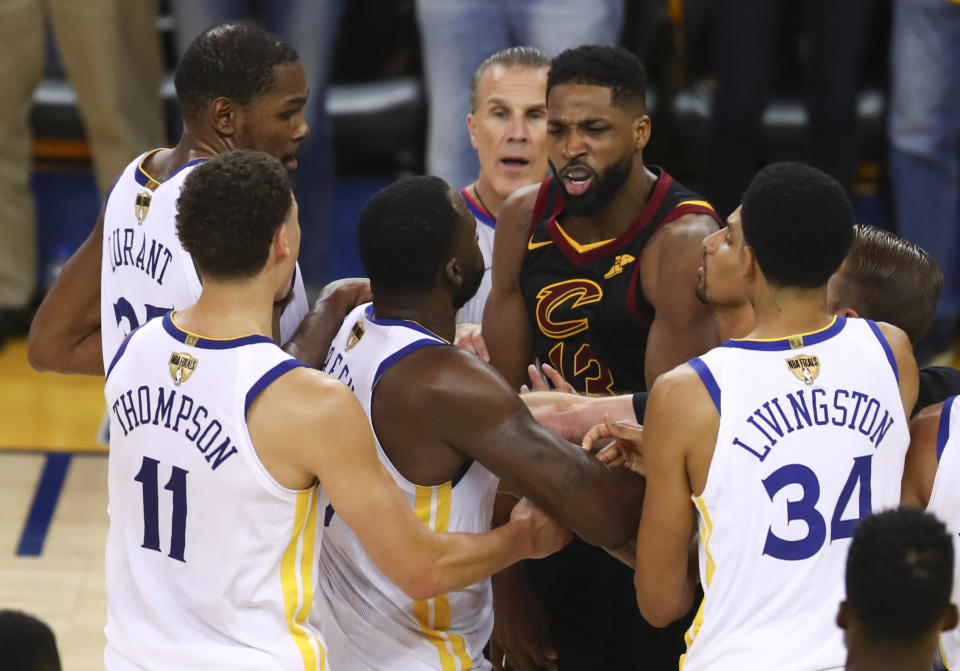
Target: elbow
{"points": [[421, 585], [658, 605], [39, 354]]}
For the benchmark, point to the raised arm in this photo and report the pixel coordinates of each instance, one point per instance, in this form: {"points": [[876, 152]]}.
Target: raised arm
{"points": [[920, 467], [311, 341], [307, 426], [472, 410], [65, 333], [682, 327], [680, 423], [506, 327]]}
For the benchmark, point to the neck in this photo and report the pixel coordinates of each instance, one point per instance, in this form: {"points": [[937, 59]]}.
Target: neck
{"points": [[191, 146], [614, 220], [228, 310], [781, 312], [883, 656], [431, 309], [486, 196], [734, 321]]}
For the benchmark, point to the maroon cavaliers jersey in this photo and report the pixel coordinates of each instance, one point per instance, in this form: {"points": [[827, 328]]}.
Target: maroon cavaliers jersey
{"points": [[590, 318]]}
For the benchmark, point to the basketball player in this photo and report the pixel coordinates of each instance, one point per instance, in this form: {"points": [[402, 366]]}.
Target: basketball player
{"points": [[238, 86], [223, 448], [508, 128], [448, 427], [884, 278], [930, 474], [771, 436], [594, 273], [899, 575]]}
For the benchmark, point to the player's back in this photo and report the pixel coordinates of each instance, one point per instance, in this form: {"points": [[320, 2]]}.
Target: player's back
{"points": [[144, 270], [210, 563], [812, 438], [368, 622], [945, 504]]}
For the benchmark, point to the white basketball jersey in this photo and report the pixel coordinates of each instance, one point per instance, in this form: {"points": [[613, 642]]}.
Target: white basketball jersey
{"points": [[812, 438], [945, 504], [368, 622], [210, 563], [145, 271], [472, 311]]}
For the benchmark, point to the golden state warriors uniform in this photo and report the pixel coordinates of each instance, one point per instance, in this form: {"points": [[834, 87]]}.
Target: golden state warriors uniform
{"points": [[945, 504], [145, 271], [210, 563], [472, 311], [368, 622], [812, 438], [590, 318]]}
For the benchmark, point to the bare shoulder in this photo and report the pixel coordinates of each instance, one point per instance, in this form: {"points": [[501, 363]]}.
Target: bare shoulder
{"points": [[926, 423], [689, 229], [446, 373], [680, 394], [304, 397], [896, 338], [517, 209]]}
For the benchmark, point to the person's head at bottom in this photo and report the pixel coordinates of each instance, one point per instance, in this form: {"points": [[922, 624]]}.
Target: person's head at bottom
{"points": [[899, 579], [26, 643]]}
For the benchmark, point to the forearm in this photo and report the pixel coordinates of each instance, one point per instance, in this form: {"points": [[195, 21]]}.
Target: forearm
{"points": [[311, 341]]}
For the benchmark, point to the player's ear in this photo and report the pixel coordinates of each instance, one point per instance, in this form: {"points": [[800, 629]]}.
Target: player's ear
{"points": [[453, 273], [950, 621], [842, 615], [223, 116], [641, 131], [281, 243]]}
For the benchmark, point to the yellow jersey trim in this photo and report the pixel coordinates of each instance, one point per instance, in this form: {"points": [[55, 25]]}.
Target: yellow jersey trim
{"points": [[296, 579], [432, 507], [706, 531], [152, 182], [789, 337], [701, 203], [577, 246], [198, 336]]}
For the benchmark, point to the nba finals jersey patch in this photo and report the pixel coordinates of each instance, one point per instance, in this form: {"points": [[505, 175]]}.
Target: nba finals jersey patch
{"points": [[182, 366], [619, 263], [355, 334], [805, 367], [142, 205]]}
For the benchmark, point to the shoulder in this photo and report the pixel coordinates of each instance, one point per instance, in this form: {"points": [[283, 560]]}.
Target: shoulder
{"points": [[518, 208], [686, 230], [306, 397], [680, 390]]}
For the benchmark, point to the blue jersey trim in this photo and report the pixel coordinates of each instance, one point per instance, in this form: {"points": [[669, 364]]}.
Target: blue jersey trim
{"points": [[267, 378], [402, 322], [478, 213], [708, 380], [110, 191], [207, 343], [400, 353], [886, 347], [943, 430], [186, 165], [782, 344], [120, 351], [462, 471]]}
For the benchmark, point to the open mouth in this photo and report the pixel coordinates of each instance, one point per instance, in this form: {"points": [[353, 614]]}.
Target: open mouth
{"points": [[577, 179], [514, 162]]}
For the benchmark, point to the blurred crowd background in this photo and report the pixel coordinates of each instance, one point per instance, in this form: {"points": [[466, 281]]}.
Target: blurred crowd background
{"points": [[865, 89]]}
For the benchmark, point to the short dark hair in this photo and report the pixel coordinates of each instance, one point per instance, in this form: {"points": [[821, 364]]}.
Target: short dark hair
{"points": [[799, 222], [232, 60], [228, 211], [614, 68], [889, 279], [511, 57], [899, 573], [26, 643], [406, 232]]}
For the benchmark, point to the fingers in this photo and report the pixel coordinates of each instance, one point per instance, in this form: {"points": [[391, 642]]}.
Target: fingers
{"points": [[557, 379], [537, 382]]}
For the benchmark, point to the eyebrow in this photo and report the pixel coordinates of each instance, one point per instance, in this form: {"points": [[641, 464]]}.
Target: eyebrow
{"points": [[503, 103], [298, 100]]}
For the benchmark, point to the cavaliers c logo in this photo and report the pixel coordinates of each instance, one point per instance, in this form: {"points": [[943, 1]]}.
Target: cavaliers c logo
{"points": [[569, 294]]}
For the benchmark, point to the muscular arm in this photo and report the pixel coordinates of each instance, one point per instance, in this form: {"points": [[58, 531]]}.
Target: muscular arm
{"points": [[308, 427], [682, 327], [572, 415], [920, 467], [65, 333], [506, 328], [311, 341], [463, 406], [680, 421]]}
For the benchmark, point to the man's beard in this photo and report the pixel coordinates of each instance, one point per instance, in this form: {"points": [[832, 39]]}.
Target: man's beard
{"points": [[471, 283], [605, 186]]}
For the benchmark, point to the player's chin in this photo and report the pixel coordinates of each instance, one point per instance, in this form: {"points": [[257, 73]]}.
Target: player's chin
{"points": [[289, 162]]}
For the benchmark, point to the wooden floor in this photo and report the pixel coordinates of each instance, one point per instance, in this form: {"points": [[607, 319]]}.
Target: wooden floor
{"points": [[53, 504]]}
